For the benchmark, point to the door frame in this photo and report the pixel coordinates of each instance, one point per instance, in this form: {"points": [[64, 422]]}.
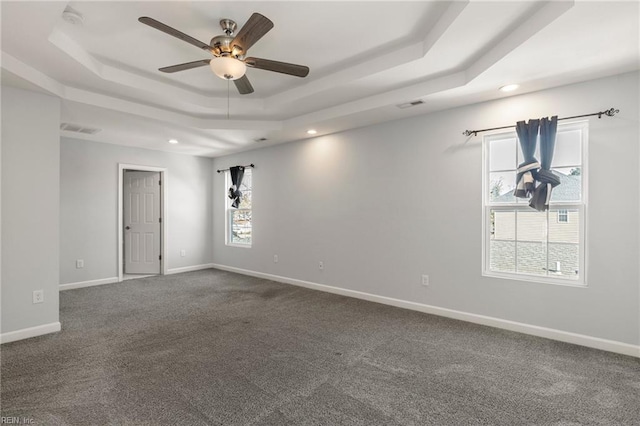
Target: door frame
{"points": [[163, 200]]}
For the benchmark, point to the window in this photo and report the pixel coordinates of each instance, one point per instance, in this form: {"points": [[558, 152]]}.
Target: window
{"points": [[239, 228], [563, 216], [520, 242]]}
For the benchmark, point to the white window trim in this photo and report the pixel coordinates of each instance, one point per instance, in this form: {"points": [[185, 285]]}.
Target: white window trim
{"points": [[227, 215], [581, 206]]}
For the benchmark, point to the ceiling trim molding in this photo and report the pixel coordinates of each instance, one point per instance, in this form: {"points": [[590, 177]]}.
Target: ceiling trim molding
{"points": [[32, 75], [533, 21], [529, 26], [520, 32], [391, 97], [447, 18], [391, 59], [56, 88], [170, 92]]}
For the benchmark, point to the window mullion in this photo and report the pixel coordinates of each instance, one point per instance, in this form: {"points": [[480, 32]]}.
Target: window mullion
{"points": [[515, 233], [546, 248]]}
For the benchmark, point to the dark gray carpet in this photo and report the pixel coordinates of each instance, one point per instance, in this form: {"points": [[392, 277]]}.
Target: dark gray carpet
{"points": [[216, 348]]}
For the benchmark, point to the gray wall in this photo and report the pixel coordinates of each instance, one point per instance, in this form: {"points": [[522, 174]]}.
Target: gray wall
{"points": [[384, 204], [30, 207], [89, 200]]}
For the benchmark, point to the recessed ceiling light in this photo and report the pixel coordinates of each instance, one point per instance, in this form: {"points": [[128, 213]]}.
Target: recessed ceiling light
{"points": [[509, 88], [173, 141], [312, 132]]}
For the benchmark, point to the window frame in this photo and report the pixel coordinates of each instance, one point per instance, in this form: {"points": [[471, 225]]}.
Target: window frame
{"points": [[228, 213], [580, 206], [563, 216]]}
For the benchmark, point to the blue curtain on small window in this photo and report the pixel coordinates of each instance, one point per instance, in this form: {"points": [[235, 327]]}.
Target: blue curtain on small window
{"points": [[237, 173], [525, 178], [548, 180]]}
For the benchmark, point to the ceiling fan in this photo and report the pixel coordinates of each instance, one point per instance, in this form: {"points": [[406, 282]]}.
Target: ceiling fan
{"points": [[229, 61]]}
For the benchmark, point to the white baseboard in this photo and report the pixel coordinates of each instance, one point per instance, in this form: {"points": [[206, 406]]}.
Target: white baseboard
{"points": [[549, 333], [189, 268], [111, 280], [91, 283], [26, 333]]}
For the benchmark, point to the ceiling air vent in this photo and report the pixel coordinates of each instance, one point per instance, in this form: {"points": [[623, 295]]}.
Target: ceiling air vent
{"points": [[410, 104], [68, 127]]}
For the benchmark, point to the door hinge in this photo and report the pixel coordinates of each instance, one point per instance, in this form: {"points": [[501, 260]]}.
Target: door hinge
{"points": [[160, 220], [159, 182], [160, 257]]}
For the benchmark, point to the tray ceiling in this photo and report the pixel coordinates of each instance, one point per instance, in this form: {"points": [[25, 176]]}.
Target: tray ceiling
{"points": [[365, 58]]}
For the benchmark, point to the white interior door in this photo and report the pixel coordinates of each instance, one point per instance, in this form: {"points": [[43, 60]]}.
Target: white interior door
{"points": [[142, 222]]}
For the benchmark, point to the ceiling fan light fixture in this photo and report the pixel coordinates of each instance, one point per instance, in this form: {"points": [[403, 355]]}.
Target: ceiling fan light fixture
{"points": [[228, 68]]}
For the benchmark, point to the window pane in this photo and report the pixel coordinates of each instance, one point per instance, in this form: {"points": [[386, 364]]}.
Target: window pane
{"points": [[246, 180], [502, 154], [502, 246], [240, 226], [570, 188], [503, 225], [564, 243], [501, 186], [568, 149], [531, 247], [245, 201]]}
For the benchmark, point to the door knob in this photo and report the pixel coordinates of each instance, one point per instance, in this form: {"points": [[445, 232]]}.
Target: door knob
{"points": [[127, 227]]}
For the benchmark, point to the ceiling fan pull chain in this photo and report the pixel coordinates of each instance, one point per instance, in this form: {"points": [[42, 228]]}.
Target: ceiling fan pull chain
{"points": [[228, 83]]}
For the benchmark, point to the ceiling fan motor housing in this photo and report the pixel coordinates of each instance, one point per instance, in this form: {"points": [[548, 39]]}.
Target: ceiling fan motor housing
{"points": [[222, 44], [222, 47]]}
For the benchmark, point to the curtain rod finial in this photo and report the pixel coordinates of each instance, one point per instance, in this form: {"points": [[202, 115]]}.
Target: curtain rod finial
{"points": [[611, 112]]}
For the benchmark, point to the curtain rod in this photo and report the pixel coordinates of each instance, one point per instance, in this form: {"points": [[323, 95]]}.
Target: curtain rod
{"points": [[224, 170], [609, 113]]}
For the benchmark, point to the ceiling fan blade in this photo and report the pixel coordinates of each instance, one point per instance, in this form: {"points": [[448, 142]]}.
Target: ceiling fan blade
{"points": [[173, 32], [185, 66], [243, 85], [281, 67], [252, 31]]}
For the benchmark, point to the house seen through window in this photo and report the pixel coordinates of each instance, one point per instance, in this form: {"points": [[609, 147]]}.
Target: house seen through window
{"points": [[520, 242], [238, 220]]}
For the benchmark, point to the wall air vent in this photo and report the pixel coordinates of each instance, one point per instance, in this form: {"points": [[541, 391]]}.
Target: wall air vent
{"points": [[410, 104], [68, 127]]}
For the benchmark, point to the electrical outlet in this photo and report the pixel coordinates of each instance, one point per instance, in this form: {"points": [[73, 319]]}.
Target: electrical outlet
{"points": [[38, 296], [183, 253], [275, 258], [425, 280], [321, 265], [79, 264]]}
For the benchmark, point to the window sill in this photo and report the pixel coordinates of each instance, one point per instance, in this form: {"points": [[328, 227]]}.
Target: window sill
{"points": [[580, 283], [238, 245]]}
